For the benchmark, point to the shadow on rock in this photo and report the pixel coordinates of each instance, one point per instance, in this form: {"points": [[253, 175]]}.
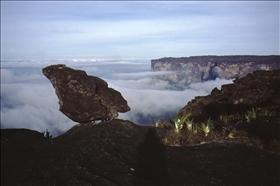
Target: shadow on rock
{"points": [[151, 161]]}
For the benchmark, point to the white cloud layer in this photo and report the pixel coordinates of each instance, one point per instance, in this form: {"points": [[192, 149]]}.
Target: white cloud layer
{"points": [[154, 100], [28, 99], [32, 106]]}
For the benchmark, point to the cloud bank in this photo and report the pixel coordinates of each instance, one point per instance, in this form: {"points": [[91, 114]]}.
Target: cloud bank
{"points": [[149, 99], [28, 99]]}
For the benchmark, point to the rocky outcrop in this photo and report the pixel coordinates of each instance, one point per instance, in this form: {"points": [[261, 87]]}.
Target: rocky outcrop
{"points": [[201, 68], [84, 98], [119, 152], [259, 89]]}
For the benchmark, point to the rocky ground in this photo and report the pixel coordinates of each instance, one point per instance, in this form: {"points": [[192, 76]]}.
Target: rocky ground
{"points": [[259, 89], [119, 152], [251, 104]]}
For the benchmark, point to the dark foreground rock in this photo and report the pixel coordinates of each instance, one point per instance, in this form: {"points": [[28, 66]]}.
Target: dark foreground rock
{"points": [[250, 105], [84, 98], [260, 89], [118, 152]]}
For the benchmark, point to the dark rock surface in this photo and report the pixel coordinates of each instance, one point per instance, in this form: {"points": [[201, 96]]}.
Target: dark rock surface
{"points": [[118, 152], [258, 89], [250, 104], [84, 98], [201, 68]]}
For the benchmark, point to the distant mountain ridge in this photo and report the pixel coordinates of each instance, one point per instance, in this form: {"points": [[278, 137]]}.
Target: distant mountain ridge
{"points": [[202, 68]]}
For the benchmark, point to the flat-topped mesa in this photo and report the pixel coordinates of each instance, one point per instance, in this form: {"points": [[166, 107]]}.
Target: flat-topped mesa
{"points": [[201, 68], [84, 98]]}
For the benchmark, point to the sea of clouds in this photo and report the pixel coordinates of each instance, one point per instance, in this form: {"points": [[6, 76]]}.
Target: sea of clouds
{"points": [[28, 99]]}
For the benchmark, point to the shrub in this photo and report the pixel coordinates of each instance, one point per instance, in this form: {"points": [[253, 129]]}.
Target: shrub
{"points": [[206, 128]]}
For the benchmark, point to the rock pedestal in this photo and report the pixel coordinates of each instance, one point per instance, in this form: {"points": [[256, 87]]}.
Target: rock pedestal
{"points": [[84, 98]]}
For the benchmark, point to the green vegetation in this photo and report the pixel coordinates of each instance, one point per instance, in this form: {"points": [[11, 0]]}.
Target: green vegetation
{"points": [[177, 123], [252, 114], [206, 128], [232, 128], [191, 134], [190, 124]]}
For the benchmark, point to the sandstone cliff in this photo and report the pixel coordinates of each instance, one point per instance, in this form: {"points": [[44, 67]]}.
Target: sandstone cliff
{"points": [[201, 68]]}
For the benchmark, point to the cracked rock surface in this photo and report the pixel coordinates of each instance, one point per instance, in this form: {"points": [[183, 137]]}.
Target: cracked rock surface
{"points": [[84, 98], [119, 152]]}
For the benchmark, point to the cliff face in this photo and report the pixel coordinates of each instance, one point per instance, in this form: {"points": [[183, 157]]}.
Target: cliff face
{"points": [[202, 68], [260, 89], [250, 104]]}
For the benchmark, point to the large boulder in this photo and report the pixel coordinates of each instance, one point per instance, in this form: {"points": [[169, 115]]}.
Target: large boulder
{"points": [[84, 98]]}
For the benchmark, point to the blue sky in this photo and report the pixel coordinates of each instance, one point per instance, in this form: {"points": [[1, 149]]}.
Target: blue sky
{"points": [[117, 30]]}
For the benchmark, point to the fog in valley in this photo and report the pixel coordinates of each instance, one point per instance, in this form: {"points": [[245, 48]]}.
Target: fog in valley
{"points": [[28, 99]]}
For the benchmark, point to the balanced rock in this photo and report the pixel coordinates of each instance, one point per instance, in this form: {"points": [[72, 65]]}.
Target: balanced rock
{"points": [[84, 98]]}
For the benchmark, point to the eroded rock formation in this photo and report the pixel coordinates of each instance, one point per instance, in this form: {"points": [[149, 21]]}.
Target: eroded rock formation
{"points": [[201, 68], [84, 98], [258, 89]]}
